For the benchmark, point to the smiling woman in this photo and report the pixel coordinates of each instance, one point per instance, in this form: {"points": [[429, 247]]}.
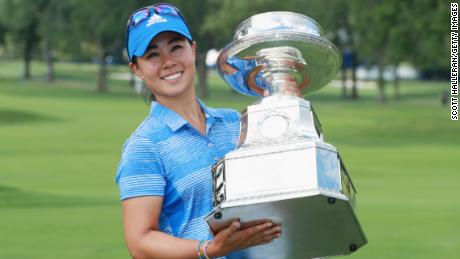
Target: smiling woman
{"points": [[168, 67], [164, 174]]}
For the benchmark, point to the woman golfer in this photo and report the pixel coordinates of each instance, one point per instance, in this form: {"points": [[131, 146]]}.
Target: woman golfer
{"points": [[164, 175]]}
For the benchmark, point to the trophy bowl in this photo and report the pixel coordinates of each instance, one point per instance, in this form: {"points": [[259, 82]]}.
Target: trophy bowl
{"points": [[283, 170], [278, 31]]}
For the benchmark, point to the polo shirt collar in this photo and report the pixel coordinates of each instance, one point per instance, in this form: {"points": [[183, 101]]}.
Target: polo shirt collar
{"points": [[174, 121], [209, 112]]}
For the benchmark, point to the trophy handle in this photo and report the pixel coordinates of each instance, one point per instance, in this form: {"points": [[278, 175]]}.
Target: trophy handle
{"points": [[251, 80]]}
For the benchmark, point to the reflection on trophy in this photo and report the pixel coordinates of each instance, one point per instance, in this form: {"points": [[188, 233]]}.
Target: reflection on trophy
{"points": [[282, 169]]}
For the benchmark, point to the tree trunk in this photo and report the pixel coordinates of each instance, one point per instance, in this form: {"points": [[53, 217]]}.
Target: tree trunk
{"points": [[30, 40], [397, 94], [354, 87], [202, 75], [27, 58], [381, 84], [102, 77], [49, 61], [344, 83]]}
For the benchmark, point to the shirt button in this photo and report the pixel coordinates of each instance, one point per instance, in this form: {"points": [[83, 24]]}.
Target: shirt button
{"points": [[210, 145]]}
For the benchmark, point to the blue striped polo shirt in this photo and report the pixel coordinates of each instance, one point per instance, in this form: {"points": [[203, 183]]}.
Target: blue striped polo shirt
{"points": [[166, 156]]}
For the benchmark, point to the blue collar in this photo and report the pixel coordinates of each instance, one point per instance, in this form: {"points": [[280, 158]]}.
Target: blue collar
{"points": [[174, 121]]}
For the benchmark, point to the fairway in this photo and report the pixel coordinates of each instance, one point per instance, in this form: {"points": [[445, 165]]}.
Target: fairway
{"points": [[60, 144]]}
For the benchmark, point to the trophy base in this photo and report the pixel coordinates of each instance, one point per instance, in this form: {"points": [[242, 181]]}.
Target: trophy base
{"points": [[316, 225], [303, 185]]}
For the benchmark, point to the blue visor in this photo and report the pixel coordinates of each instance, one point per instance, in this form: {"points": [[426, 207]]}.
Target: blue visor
{"points": [[140, 35]]}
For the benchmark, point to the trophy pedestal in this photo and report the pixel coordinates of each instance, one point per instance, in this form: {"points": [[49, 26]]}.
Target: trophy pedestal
{"points": [[302, 185], [285, 172]]}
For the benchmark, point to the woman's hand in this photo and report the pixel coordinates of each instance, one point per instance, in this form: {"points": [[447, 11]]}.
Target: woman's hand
{"points": [[236, 237]]}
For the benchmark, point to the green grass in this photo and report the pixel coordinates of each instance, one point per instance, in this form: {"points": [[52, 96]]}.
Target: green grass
{"points": [[61, 142]]}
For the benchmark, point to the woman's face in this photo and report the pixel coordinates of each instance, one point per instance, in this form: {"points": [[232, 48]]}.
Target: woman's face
{"points": [[168, 66]]}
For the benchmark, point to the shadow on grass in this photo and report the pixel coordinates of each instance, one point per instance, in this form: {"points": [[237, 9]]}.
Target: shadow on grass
{"points": [[14, 197], [9, 116]]}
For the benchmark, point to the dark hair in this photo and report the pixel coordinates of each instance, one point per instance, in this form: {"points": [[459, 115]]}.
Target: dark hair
{"points": [[146, 93], [149, 97]]}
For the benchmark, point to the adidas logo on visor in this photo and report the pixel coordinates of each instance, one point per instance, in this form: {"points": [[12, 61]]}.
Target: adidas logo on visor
{"points": [[155, 19]]}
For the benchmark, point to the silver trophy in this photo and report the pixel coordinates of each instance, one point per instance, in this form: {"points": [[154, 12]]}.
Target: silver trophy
{"points": [[282, 169]]}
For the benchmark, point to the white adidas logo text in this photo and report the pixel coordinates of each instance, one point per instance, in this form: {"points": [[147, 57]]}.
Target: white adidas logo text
{"points": [[155, 19]]}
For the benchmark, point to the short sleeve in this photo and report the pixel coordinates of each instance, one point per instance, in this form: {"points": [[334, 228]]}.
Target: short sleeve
{"points": [[140, 172]]}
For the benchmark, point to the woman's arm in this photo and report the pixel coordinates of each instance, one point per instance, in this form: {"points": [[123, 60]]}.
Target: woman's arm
{"points": [[144, 240]]}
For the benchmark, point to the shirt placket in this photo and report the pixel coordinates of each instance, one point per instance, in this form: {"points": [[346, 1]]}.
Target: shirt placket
{"points": [[214, 151]]}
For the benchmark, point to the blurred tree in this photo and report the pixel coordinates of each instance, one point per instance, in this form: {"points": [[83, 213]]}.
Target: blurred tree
{"points": [[427, 28], [102, 26], [335, 19], [20, 18], [43, 21], [223, 21], [393, 31], [53, 28], [2, 33], [401, 39], [403, 35], [373, 20], [344, 37]]}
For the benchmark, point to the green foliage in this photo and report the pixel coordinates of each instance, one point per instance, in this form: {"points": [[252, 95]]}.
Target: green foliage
{"points": [[381, 32], [2, 33], [195, 13], [102, 24], [18, 15], [20, 18], [393, 31], [54, 29], [430, 37], [228, 14]]}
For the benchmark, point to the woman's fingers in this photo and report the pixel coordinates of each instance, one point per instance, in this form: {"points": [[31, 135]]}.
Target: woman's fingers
{"points": [[260, 234], [253, 223], [229, 231], [252, 231], [226, 240], [236, 237], [267, 235], [233, 228], [271, 231]]}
